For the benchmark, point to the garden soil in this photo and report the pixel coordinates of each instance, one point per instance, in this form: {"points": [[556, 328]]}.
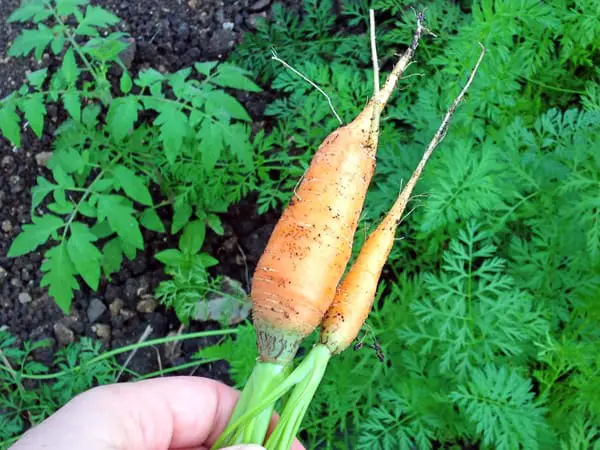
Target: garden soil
{"points": [[168, 36]]}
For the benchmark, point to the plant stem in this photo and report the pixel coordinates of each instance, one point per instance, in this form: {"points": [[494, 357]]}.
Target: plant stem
{"points": [[74, 43], [85, 195], [127, 348], [271, 393], [264, 379], [294, 411]]}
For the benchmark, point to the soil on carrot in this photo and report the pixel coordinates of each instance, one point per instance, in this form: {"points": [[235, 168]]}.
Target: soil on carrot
{"points": [[169, 36]]}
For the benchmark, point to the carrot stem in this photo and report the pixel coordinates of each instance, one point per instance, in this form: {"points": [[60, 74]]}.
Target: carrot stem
{"points": [[299, 401], [243, 421], [264, 378]]}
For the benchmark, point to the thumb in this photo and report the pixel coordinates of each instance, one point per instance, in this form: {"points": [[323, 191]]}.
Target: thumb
{"points": [[245, 447]]}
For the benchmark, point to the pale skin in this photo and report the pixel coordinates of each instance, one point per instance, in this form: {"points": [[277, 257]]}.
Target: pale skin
{"points": [[175, 413]]}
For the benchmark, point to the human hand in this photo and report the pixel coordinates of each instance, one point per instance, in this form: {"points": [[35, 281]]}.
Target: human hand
{"points": [[175, 413]]}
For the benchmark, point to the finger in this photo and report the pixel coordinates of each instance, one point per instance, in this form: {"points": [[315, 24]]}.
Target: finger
{"points": [[159, 414], [174, 412]]}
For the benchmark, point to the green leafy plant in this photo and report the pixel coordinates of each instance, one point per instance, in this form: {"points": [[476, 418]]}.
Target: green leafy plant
{"points": [[123, 153], [31, 391]]}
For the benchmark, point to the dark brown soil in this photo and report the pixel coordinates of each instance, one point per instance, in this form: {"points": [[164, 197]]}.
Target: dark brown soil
{"points": [[169, 36]]}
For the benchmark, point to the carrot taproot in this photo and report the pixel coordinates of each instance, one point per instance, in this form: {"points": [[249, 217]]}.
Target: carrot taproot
{"points": [[297, 275], [354, 298]]}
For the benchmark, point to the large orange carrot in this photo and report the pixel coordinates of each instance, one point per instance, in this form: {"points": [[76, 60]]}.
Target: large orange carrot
{"points": [[354, 297], [297, 275]]}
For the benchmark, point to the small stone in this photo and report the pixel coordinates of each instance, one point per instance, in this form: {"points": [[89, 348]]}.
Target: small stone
{"points": [[127, 314], [128, 54], [42, 158], [222, 41], [7, 161], [193, 4], [3, 275], [115, 307], [6, 226], [95, 310], [24, 297], [228, 26], [260, 4], [102, 330], [16, 184], [147, 305], [64, 336], [183, 30]]}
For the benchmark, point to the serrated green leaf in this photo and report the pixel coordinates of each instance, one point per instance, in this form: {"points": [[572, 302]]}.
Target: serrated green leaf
{"points": [[222, 105], [205, 260], [35, 234], [40, 191], [34, 109], [149, 77], [57, 44], [104, 184], [205, 67], [192, 238], [103, 49], [112, 256], [61, 208], [102, 229], [125, 83], [69, 160], [68, 7], [151, 221], [181, 216], [170, 257], [215, 224], [96, 16], [69, 69], [61, 176], [236, 138], [128, 250], [121, 218], [173, 128], [9, 124], [89, 115], [211, 143], [72, 103], [84, 255], [122, 115], [86, 209], [35, 40], [37, 78], [232, 76], [133, 185], [59, 275], [178, 82], [27, 11]]}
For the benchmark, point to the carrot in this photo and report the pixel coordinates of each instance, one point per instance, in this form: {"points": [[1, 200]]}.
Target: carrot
{"points": [[296, 277], [354, 298]]}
